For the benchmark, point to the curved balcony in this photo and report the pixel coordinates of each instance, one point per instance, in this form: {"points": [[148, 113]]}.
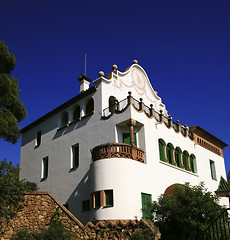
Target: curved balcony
{"points": [[117, 150]]}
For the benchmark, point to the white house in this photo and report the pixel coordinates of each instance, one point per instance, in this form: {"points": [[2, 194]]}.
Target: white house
{"points": [[111, 149]]}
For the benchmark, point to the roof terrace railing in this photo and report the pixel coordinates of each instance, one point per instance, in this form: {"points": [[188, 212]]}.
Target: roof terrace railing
{"points": [[119, 107]]}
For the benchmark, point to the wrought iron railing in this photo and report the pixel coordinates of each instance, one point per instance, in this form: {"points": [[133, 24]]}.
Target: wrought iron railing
{"points": [[119, 107], [117, 150], [219, 229], [116, 106]]}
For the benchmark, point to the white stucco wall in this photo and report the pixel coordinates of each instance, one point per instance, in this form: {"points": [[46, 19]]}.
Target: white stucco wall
{"points": [[126, 177]]}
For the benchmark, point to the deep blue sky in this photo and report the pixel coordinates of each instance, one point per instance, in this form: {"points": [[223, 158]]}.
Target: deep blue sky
{"points": [[184, 46]]}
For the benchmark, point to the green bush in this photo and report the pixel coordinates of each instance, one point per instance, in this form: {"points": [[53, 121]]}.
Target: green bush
{"points": [[142, 234]]}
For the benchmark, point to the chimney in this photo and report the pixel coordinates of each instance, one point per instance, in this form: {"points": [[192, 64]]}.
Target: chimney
{"points": [[84, 82]]}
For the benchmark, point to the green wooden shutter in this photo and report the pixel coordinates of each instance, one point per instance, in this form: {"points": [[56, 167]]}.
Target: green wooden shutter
{"points": [[126, 138], [185, 161], [146, 206], [192, 164], [177, 158], [169, 154], [161, 150]]}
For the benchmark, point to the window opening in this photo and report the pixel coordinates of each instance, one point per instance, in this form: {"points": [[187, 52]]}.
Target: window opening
{"points": [[192, 163], [169, 153], [75, 156], [178, 157], [213, 170], [108, 198], [38, 138], [76, 113], [146, 206], [44, 168], [185, 160], [64, 119], [96, 200], [89, 107], [126, 138], [161, 150]]}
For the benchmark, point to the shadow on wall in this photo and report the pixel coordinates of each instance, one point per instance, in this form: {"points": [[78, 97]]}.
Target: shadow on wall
{"points": [[75, 200], [71, 127]]}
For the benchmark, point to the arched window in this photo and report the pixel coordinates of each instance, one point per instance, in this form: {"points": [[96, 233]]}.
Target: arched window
{"points": [[113, 104], [185, 159], [89, 107], [178, 156], [192, 160], [76, 113], [169, 152], [162, 149], [64, 119]]}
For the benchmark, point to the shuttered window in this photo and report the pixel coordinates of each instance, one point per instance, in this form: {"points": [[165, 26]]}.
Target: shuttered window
{"points": [[169, 154], [185, 161], [146, 206], [192, 163], [126, 138], [161, 151], [213, 170], [177, 158]]}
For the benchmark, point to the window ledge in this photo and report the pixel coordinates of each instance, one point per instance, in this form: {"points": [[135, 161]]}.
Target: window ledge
{"points": [[107, 206], [75, 121], [73, 169], [60, 128], [43, 179], [88, 114], [180, 169]]}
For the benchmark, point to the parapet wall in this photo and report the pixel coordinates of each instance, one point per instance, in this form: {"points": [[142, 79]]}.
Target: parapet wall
{"points": [[38, 208]]}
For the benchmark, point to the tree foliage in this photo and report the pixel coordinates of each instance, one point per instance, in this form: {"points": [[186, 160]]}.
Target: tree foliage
{"points": [[11, 190], [12, 110], [185, 212]]}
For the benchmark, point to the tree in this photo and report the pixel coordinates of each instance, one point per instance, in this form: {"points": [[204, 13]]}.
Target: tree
{"points": [[11, 190], [185, 212], [12, 110]]}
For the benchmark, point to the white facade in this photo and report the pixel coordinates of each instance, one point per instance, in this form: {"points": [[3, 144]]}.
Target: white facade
{"points": [[104, 186]]}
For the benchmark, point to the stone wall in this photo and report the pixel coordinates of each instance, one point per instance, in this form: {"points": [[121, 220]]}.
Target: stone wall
{"points": [[38, 208]]}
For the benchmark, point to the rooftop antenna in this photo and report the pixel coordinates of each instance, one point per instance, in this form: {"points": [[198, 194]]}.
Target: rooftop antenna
{"points": [[85, 63]]}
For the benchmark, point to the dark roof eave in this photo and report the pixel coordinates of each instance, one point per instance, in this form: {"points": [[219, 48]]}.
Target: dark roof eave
{"points": [[193, 129], [60, 108]]}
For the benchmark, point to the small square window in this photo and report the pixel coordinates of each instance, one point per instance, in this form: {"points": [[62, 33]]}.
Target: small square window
{"points": [[86, 205], [75, 157], [108, 198], [44, 172], [213, 169]]}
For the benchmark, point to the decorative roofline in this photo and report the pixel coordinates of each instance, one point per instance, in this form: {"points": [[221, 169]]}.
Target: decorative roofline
{"points": [[208, 136], [120, 107]]}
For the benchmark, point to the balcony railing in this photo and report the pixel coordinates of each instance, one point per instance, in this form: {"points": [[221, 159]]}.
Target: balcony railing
{"points": [[117, 150]]}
